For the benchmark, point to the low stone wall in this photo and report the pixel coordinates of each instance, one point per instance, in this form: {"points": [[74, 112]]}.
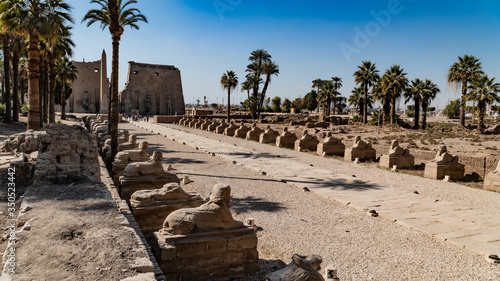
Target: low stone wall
{"points": [[167, 119]]}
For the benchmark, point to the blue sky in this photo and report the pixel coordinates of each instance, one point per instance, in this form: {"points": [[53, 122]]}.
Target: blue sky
{"points": [[308, 40]]}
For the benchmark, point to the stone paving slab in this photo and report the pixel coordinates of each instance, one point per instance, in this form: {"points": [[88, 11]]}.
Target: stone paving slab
{"points": [[474, 230]]}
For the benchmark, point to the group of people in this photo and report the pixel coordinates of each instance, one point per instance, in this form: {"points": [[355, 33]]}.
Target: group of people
{"points": [[135, 118]]}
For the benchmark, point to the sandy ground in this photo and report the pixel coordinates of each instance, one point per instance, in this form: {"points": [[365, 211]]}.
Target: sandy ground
{"points": [[292, 221]]}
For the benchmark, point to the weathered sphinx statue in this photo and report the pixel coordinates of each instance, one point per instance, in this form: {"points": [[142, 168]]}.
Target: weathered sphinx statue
{"points": [[300, 269], [444, 164], [330, 146], [361, 150], [214, 214], [397, 156]]}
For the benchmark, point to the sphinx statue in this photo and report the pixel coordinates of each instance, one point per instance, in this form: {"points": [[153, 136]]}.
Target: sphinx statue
{"points": [[131, 144], [306, 142], [133, 155], [492, 180], [330, 146], [269, 135], [286, 139], [301, 268], [213, 215], [152, 167], [254, 133], [442, 156], [444, 164], [360, 150], [397, 156]]}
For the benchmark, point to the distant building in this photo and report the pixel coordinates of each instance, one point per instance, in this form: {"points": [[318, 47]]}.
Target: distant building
{"points": [[153, 89], [90, 88]]}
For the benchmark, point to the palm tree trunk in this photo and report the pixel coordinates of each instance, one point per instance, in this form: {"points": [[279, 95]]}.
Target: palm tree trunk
{"points": [[116, 31], [424, 114], [6, 67], [45, 85], [462, 103], [228, 105], [52, 87], [63, 100], [480, 120], [328, 103], [386, 110], [417, 112], [15, 68], [393, 107], [365, 105], [41, 93], [263, 95]]}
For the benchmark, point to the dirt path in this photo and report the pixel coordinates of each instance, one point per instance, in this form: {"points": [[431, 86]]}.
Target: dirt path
{"points": [[292, 221]]}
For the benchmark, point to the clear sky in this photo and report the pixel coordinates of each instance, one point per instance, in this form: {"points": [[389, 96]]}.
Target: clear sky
{"points": [[307, 39]]}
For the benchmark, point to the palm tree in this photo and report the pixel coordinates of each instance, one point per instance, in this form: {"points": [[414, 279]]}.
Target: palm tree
{"points": [[59, 45], [485, 91], [415, 92], [17, 49], [269, 68], [229, 81], [65, 72], [357, 99], [430, 92], [367, 76], [258, 58], [114, 14], [317, 84], [5, 38], [337, 84], [325, 96], [32, 18], [396, 82], [462, 73], [380, 93]]}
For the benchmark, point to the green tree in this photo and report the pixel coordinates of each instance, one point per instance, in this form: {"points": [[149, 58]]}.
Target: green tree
{"points": [[415, 92], [229, 81], [357, 99], [115, 15], [380, 93], [395, 83], [461, 74], [298, 104], [257, 58], [269, 68], [276, 102], [485, 91], [337, 84], [452, 109], [366, 76], [317, 83], [32, 18], [324, 96], [430, 92], [311, 100], [5, 38], [287, 104]]}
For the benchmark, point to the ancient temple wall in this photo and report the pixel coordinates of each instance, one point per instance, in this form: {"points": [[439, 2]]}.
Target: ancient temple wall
{"points": [[90, 88], [153, 90]]}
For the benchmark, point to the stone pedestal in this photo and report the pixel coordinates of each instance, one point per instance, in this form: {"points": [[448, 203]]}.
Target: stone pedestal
{"points": [[205, 125], [210, 255], [129, 185], [402, 161], [241, 132], [331, 149], [434, 170], [198, 124], [286, 139], [492, 182], [151, 207], [364, 154]]}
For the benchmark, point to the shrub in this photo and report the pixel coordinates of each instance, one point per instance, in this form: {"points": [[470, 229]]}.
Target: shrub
{"points": [[356, 118]]}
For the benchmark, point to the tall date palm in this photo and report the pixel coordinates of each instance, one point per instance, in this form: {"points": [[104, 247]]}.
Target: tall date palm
{"points": [[461, 74], [114, 14], [33, 18], [396, 83], [229, 81], [366, 76], [485, 91]]}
